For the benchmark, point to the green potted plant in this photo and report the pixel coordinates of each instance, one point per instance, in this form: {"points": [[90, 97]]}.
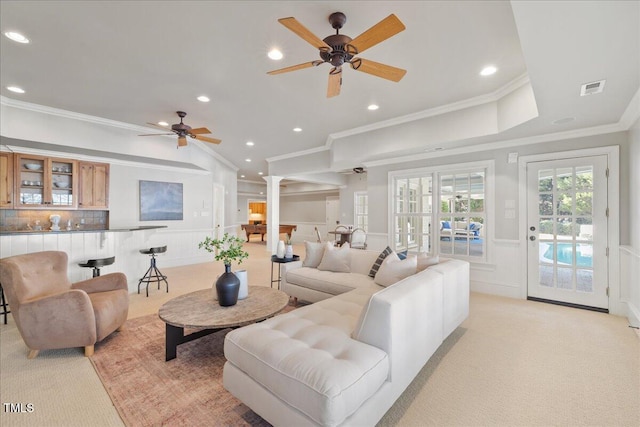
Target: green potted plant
{"points": [[227, 250]]}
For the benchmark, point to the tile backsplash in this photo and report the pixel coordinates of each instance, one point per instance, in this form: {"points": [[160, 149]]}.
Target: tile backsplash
{"points": [[27, 219]]}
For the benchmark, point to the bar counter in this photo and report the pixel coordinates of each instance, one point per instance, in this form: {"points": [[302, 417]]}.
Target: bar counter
{"points": [[81, 230]]}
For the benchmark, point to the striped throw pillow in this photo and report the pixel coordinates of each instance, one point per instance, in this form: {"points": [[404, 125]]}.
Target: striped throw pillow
{"points": [[381, 257]]}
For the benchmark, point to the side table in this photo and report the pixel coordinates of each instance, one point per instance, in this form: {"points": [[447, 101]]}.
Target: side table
{"points": [[276, 260]]}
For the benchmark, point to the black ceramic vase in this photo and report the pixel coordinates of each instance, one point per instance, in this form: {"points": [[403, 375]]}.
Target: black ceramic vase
{"points": [[227, 287]]}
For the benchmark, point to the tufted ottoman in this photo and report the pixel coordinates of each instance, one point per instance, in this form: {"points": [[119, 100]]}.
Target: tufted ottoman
{"points": [[299, 358]]}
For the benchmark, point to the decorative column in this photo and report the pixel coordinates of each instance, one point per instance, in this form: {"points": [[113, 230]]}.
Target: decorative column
{"points": [[273, 211]]}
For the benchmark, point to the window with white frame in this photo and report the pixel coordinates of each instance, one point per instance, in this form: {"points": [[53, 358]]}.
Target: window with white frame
{"points": [[361, 210], [440, 211], [461, 213], [412, 205]]}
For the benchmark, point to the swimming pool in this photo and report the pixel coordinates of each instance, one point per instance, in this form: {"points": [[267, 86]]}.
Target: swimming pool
{"points": [[584, 253]]}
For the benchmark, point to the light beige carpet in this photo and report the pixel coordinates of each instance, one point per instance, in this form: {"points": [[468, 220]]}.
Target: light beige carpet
{"points": [[517, 363]]}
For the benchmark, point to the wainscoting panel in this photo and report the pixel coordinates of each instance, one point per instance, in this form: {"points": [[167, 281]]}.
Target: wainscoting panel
{"points": [[125, 246], [630, 283], [502, 275]]}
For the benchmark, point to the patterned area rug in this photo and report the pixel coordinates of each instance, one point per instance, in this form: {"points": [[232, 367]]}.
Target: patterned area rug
{"points": [[186, 391]]}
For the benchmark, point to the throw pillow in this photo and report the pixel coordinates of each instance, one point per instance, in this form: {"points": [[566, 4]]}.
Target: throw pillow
{"points": [[403, 254], [393, 269], [313, 254], [381, 257], [335, 259], [424, 261], [446, 224]]}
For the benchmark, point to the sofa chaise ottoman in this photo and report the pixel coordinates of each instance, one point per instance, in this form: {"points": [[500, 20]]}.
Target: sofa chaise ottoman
{"points": [[345, 359]]}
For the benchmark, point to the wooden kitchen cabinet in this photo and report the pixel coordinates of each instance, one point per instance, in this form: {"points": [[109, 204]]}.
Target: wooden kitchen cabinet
{"points": [[93, 185], [45, 182], [6, 180]]}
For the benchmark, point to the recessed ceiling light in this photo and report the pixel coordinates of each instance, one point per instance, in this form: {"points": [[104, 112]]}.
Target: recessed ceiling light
{"points": [[241, 176], [15, 89], [372, 107], [260, 173], [275, 54], [16, 37], [203, 98], [247, 160], [163, 123], [250, 143], [297, 129], [488, 70]]}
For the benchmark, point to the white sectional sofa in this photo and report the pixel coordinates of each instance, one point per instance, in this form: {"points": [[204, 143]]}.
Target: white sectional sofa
{"points": [[345, 359]]}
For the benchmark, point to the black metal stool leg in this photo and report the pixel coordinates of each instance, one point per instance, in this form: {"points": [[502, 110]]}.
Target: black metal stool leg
{"points": [[153, 275], [4, 304]]}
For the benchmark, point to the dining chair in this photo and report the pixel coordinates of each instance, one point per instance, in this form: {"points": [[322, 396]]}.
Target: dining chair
{"points": [[359, 238], [339, 231]]}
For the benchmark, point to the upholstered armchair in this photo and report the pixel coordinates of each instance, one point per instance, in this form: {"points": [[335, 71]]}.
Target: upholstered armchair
{"points": [[51, 312]]}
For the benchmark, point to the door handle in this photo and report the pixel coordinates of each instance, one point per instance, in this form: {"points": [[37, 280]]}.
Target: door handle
{"points": [[532, 238]]}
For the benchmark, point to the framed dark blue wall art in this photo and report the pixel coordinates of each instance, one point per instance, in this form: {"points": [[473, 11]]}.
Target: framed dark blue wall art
{"points": [[160, 201]]}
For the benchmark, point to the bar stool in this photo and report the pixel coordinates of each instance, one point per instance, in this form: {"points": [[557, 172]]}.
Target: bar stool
{"points": [[153, 274], [5, 311], [97, 263]]}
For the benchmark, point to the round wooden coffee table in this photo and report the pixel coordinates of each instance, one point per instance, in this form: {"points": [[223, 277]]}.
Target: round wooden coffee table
{"points": [[199, 310]]}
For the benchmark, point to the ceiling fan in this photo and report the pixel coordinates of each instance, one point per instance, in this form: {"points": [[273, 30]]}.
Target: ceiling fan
{"points": [[357, 170], [338, 49], [183, 131]]}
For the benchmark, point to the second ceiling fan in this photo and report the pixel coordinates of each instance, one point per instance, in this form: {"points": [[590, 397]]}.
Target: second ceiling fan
{"points": [[183, 130], [338, 49]]}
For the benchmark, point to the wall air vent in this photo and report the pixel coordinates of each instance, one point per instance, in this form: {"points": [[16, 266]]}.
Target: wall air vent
{"points": [[591, 88]]}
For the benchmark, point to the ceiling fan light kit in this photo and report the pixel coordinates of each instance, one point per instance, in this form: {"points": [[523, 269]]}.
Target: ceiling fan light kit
{"points": [[184, 130], [339, 49]]}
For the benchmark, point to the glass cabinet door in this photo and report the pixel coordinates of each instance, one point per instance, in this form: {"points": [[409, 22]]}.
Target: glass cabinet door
{"points": [[31, 181], [45, 182], [61, 183]]}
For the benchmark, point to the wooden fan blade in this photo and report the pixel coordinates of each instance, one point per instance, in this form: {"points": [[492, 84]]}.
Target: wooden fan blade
{"points": [[198, 131], [302, 31], [155, 134], [294, 68], [389, 26], [335, 82], [182, 141], [377, 69], [206, 139]]}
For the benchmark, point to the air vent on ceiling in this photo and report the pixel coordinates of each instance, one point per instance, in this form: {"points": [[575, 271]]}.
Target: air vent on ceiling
{"points": [[591, 88]]}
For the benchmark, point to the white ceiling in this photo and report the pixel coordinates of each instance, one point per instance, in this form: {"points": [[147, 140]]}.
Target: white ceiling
{"points": [[140, 61]]}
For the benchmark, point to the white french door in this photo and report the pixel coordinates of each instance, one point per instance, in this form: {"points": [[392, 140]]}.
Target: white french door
{"points": [[567, 231]]}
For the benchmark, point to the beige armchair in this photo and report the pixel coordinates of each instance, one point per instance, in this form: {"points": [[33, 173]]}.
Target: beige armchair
{"points": [[51, 312]]}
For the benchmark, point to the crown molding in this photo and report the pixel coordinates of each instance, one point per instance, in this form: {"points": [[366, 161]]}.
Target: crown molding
{"points": [[297, 154], [101, 159], [444, 109], [432, 112], [207, 149], [69, 114], [43, 109], [549, 137], [248, 181], [632, 112]]}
